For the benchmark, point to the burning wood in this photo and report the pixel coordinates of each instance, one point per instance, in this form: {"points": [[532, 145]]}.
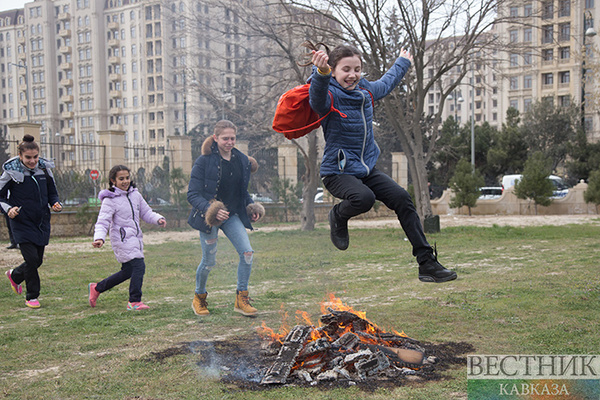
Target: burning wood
{"points": [[345, 346]]}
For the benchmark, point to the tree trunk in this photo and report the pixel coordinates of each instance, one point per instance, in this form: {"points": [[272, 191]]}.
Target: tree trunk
{"points": [[310, 180]]}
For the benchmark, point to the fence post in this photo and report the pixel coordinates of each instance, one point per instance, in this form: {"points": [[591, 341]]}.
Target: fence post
{"points": [[114, 149], [180, 147], [18, 130]]}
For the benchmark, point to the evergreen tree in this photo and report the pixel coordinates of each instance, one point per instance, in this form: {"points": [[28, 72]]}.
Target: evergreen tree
{"points": [[509, 151], [465, 184], [584, 157], [592, 194], [535, 184]]}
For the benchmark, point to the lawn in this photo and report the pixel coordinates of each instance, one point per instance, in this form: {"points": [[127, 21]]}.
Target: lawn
{"points": [[532, 290]]}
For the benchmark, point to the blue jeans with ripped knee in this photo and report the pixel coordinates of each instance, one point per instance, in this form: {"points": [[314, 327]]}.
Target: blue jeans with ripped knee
{"points": [[235, 231]]}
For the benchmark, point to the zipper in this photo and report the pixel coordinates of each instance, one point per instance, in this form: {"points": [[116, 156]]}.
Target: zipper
{"points": [[40, 197], [362, 153], [137, 228]]}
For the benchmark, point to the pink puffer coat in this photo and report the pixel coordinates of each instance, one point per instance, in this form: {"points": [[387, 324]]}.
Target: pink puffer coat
{"points": [[120, 213]]}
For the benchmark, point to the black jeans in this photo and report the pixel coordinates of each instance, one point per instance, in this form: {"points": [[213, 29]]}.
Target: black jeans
{"points": [[28, 271], [359, 194], [133, 269]]}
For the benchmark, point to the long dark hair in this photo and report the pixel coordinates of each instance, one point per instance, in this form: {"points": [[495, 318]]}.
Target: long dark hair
{"points": [[335, 55], [112, 176], [28, 143]]}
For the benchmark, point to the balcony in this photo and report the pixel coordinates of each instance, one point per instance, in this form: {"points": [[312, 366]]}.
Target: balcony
{"points": [[66, 82], [66, 98], [67, 114], [66, 65], [67, 131], [21, 40], [65, 49], [64, 16], [64, 33], [114, 60], [116, 111], [113, 26], [114, 42], [116, 127], [22, 56], [115, 93], [114, 77], [23, 87]]}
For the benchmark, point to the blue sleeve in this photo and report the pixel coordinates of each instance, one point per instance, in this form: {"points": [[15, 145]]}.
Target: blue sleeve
{"points": [[388, 82], [194, 194], [318, 99]]}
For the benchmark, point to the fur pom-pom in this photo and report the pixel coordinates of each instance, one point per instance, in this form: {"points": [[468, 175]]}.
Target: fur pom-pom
{"points": [[211, 213], [255, 208]]}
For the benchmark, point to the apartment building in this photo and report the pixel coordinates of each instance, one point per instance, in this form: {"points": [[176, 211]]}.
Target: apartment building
{"points": [[146, 68], [546, 61]]}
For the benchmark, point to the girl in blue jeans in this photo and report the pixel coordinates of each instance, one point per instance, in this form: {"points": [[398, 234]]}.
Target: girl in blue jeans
{"points": [[218, 194]]}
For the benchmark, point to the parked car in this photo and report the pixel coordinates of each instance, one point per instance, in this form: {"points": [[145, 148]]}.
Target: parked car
{"points": [[261, 198], [560, 188], [490, 192]]}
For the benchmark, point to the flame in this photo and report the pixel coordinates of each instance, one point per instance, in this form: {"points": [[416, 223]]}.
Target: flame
{"points": [[329, 303]]}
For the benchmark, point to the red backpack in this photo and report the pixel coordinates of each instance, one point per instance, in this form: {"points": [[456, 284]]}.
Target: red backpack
{"points": [[294, 116]]}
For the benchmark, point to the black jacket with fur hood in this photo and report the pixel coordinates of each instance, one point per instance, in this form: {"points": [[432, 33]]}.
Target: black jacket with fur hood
{"points": [[204, 186]]}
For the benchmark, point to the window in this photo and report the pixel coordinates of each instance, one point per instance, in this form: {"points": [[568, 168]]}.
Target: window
{"points": [[564, 101], [589, 3], [514, 12], [547, 55], [564, 32], [514, 82], [548, 79], [547, 34], [514, 103], [564, 77], [565, 53], [564, 8], [527, 57], [548, 9], [527, 35], [513, 35], [527, 82], [514, 60]]}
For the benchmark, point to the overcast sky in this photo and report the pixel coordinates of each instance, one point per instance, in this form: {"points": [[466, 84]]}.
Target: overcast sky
{"points": [[12, 4]]}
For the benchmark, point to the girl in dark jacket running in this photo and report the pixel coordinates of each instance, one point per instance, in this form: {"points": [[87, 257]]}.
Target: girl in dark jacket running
{"points": [[27, 191]]}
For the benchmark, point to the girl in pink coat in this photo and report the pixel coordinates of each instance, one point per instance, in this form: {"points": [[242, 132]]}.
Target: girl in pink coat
{"points": [[122, 208]]}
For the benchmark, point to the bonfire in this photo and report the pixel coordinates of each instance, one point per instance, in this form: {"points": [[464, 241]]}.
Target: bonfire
{"points": [[344, 346]]}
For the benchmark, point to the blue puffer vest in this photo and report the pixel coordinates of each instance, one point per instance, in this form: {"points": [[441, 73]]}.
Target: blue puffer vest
{"points": [[350, 146]]}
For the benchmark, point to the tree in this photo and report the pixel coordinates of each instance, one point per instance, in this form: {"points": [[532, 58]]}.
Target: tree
{"points": [[534, 184], [465, 184], [584, 157], [508, 153], [592, 194], [442, 36], [4, 156], [178, 182], [550, 129], [287, 194]]}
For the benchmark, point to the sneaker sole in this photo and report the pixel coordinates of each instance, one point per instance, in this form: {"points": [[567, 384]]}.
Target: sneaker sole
{"points": [[430, 279], [18, 289], [245, 313], [30, 306], [89, 294], [200, 315]]}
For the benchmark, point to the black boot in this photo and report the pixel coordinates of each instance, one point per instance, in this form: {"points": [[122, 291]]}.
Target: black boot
{"points": [[430, 270], [338, 231]]}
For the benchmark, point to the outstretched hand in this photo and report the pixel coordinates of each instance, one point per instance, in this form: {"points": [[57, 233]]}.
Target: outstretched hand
{"points": [[97, 243], [162, 223], [320, 59], [404, 53]]}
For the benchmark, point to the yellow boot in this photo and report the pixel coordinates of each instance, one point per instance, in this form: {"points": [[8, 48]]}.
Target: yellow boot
{"points": [[242, 304], [199, 304]]}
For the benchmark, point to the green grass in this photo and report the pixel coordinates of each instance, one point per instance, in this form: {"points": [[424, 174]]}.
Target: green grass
{"points": [[520, 291]]}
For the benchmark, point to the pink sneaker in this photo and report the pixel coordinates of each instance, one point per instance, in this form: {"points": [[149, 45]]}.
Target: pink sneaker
{"points": [[136, 306], [16, 288], [93, 294], [33, 303]]}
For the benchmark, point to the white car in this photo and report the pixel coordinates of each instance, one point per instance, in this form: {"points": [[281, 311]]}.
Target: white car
{"points": [[560, 188]]}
